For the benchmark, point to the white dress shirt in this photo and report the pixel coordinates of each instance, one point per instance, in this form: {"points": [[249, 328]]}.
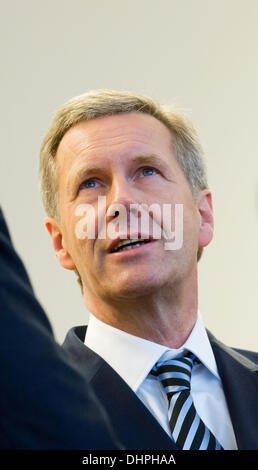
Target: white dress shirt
{"points": [[133, 358]]}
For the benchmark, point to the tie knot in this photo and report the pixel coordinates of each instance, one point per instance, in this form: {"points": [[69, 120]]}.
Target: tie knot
{"points": [[175, 374]]}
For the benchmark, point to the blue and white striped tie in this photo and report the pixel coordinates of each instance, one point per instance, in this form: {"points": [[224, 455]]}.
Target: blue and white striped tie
{"points": [[188, 430]]}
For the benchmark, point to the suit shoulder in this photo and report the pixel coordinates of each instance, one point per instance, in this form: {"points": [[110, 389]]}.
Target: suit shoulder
{"points": [[221, 351], [252, 355]]}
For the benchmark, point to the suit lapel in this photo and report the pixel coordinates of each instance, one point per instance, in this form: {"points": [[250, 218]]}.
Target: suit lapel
{"points": [[239, 377], [135, 425]]}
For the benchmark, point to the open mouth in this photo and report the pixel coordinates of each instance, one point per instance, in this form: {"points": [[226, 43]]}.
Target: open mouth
{"points": [[124, 245]]}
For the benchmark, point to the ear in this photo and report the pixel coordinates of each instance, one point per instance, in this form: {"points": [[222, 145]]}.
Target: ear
{"points": [[60, 250], [206, 218]]}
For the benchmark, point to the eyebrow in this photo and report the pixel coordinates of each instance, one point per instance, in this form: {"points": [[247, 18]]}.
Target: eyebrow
{"points": [[91, 169], [149, 158]]}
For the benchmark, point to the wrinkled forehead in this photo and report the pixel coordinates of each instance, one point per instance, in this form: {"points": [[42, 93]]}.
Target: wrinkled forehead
{"points": [[114, 134]]}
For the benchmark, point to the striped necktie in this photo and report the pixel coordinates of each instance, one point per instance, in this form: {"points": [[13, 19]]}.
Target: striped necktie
{"points": [[188, 430]]}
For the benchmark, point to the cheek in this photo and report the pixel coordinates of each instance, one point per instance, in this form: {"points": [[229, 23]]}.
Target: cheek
{"points": [[81, 255], [173, 217], [88, 219], [74, 239], [191, 228]]}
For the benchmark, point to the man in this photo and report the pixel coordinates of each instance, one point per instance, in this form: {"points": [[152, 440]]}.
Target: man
{"points": [[163, 380], [45, 402]]}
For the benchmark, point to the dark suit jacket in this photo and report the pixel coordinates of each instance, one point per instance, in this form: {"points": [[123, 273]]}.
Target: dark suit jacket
{"points": [[45, 401], [136, 426]]}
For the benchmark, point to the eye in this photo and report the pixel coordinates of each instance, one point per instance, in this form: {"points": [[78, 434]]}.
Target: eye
{"points": [[89, 184], [148, 171]]}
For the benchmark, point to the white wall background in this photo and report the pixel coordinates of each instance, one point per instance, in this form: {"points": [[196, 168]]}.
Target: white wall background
{"points": [[201, 55]]}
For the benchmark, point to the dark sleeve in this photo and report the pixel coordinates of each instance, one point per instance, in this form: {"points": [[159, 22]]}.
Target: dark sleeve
{"points": [[45, 403]]}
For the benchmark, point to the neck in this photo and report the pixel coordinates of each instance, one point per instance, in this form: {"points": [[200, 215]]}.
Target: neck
{"points": [[165, 317]]}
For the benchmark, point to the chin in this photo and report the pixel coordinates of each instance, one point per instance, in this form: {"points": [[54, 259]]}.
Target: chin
{"points": [[137, 285]]}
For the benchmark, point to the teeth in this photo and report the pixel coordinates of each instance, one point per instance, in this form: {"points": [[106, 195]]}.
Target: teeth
{"points": [[126, 242], [129, 244], [129, 247]]}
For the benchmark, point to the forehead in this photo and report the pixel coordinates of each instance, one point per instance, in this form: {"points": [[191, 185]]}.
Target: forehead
{"points": [[117, 136]]}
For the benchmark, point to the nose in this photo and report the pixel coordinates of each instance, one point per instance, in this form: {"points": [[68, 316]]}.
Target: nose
{"points": [[121, 193]]}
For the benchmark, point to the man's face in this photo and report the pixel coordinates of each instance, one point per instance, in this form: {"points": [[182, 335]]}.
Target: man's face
{"points": [[129, 159]]}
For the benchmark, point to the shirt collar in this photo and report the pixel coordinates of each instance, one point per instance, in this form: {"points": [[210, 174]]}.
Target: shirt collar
{"points": [[133, 357]]}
